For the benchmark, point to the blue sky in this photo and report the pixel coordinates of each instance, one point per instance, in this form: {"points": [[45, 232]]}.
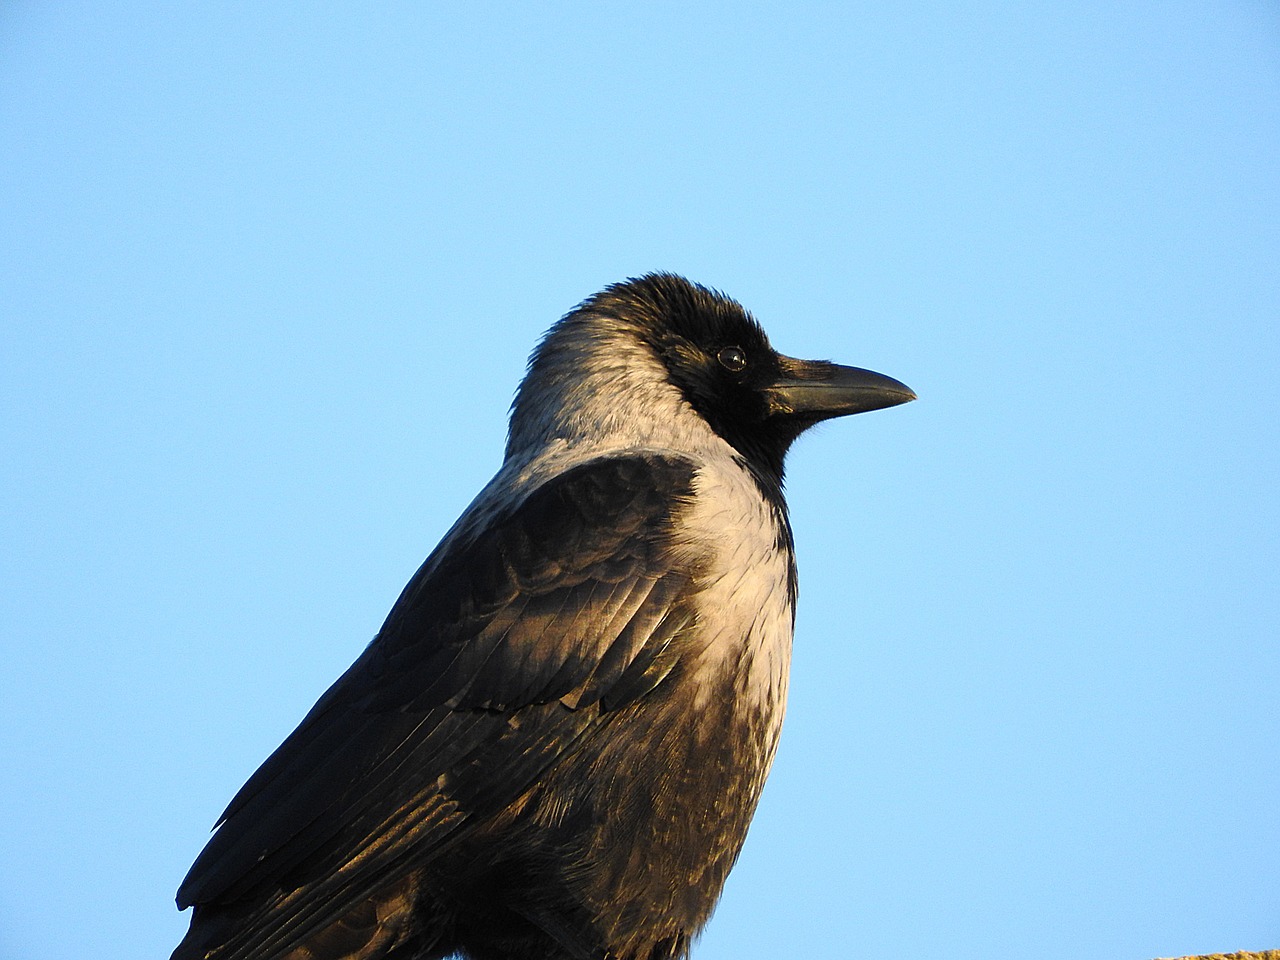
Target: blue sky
{"points": [[270, 276]]}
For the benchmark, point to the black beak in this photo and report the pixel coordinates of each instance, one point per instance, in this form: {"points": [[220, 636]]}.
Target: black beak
{"points": [[814, 390]]}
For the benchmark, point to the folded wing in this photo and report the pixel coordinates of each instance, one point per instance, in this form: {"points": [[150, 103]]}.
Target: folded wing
{"points": [[504, 650]]}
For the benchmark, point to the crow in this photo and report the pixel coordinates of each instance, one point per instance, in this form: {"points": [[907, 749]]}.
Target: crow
{"points": [[554, 746]]}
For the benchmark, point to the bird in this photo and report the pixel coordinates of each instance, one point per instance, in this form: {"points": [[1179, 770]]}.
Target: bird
{"points": [[553, 747]]}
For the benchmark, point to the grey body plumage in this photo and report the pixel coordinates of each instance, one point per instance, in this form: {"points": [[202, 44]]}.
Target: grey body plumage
{"points": [[555, 744]]}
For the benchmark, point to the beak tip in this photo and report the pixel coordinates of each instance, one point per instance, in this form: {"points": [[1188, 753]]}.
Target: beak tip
{"points": [[895, 392]]}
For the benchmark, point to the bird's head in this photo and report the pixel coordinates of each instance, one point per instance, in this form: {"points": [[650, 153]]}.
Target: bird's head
{"points": [[632, 362]]}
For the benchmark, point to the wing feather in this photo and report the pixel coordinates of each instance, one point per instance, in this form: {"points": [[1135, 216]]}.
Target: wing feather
{"points": [[504, 650]]}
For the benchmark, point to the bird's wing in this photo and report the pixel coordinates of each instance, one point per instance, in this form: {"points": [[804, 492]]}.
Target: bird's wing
{"points": [[500, 653]]}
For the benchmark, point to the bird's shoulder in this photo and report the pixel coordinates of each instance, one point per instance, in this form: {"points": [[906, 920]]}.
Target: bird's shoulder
{"points": [[525, 607]]}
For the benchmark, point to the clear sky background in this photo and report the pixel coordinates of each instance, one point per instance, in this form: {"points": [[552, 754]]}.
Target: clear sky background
{"points": [[268, 280]]}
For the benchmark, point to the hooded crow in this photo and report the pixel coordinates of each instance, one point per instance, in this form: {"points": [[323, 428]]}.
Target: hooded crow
{"points": [[554, 746]]}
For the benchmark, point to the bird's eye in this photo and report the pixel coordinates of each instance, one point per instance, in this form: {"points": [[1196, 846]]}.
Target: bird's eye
{"points": [[732, 358]]}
